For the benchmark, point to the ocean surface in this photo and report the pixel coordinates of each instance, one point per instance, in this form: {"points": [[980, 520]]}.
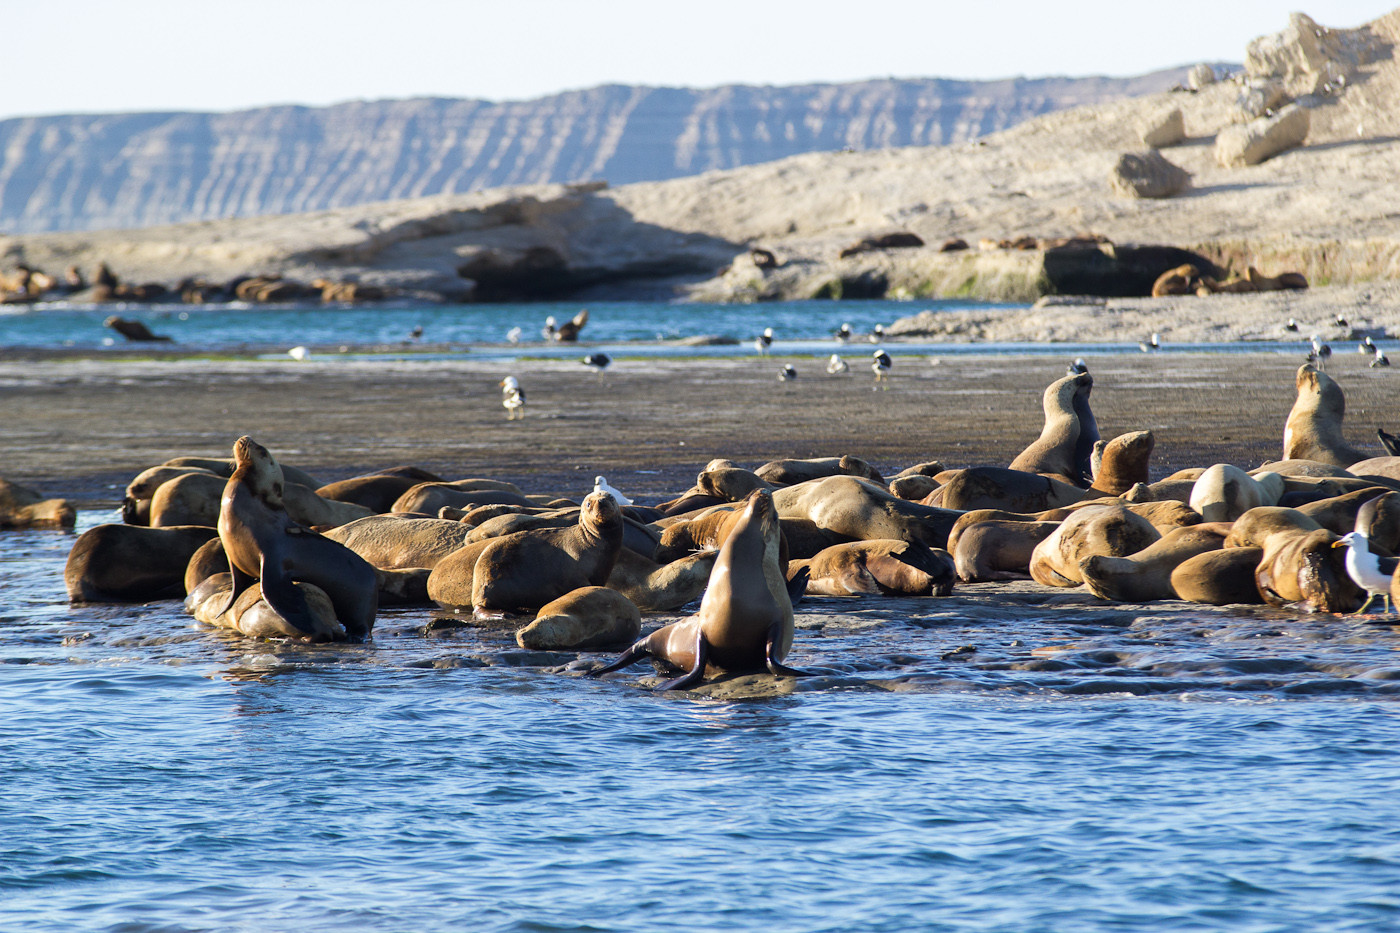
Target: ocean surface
{"points": [[992, 761]]}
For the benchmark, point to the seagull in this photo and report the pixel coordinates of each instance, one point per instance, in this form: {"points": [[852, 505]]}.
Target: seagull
{"points": [[1369, 571], [416, 333], [877, 334], [1341, 320], [835, 366], [1151, 343], [568, 331], [764, 341], [881, 366], [1320, 352], [1381, 359], [598, 362], [1077, 367], [1291, 325], [550, 326], [787, 373], [512, 398], [513, 335], [601, 485], [1367, 345], [298, 353], [845, 333]]}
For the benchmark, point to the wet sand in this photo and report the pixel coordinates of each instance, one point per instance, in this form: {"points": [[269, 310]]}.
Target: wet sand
{"points": [[81, 428]]}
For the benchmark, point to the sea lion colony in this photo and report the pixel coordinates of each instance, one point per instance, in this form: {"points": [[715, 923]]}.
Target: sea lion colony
{"points": [[257, 547]]}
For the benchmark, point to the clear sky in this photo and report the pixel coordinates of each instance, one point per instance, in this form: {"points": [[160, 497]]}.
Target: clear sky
{"points": [[80, 56]]}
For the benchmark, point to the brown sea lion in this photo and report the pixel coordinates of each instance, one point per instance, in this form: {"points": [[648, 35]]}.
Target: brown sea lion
{"points": [[264, 543], [879, 568], [1306, 571], [1146, 575], [1292, 468], [131, 563], [1314, 427], [1011, 490], [1224, 492], [913, 487], [1378, 510], [427, 498], [926, 468], [1066, 441], [745, 619], [1386, 467], [636, 536], [1255, 527], [251, 614], [376, 491], [205, 562], [1219, 578], [222, 467], [136, 500], [863, 511], [1275, 283], [389, 542], [730, 483], [998, 550], [525, 570], [22, 507], [194, 499], [1182, 280], [1123, 462], [968, 519], [655, 587], [792, 472], [588, 617], [1110, 530]]}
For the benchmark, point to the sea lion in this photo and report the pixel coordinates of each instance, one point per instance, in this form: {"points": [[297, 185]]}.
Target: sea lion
{"points": [[1011, 490], [879, 568], [1314, 427], [136, 500], [264, 543], [376, 491], [1383, 467], [221, 467], [1294, 468], [728, 482], [22, 507], [1281, 282], [636, 536], [1183, 280], [1122, 463], [1374, 512], [194, 499], [792, 472], [658, 587], [1225, 492], [208, 560], [914, 487], [745, 618], [251, 614], [525, 570], [134, 331], [1110, 530], [863, 511], [926, 468], [1219, 578], [588, 617], [427, 498], [1255, 527], [388, 542], [998, 549], [1065, 443], [131, 563], [707, 533], [1146, 575], [1305, 570]]}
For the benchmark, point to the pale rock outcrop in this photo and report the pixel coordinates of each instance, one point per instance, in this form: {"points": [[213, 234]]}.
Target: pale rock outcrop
{"points": [[1202, 76], [1308, 58], [1262, 139], [1148, 174], [1160, 130]]}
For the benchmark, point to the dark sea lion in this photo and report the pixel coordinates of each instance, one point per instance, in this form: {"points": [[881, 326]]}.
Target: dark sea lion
{"points": [[1219, 578], [1314, 427], [588, 617], [745, 619], [131, 563], [263, 543], [134, 331], [998, 549], [1011, 490], [205, 562], [1146, 575], [1058, 450], [792, 472], [1111, 530], [525, 570], [1305, 570], [376, 491], [879, 568], [22, 507]]}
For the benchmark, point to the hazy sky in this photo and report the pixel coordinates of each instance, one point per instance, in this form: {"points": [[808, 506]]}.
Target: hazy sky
{"points": [[78, 56]]}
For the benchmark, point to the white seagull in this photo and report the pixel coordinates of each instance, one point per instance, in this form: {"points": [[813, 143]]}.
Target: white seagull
{"points": [[299, 353], [550, 326], [602, 485], [513, 335], [877, 334], [1320, 352], [835, 366], [512, 398], [1381, 359], [1078, 366], [1369, 571], [844, 333]]}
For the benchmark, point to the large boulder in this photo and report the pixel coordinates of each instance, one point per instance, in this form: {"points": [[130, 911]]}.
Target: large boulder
{"points": [[1202, 76], [1160, 130], [1148, 174], [1305, 56], [1261, 139]]}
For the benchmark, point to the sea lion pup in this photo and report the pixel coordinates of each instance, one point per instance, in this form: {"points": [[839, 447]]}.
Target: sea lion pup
{"points": [[1219, 578], [863, 511], [264, 543], [792, 472], [878, 568], [1065, 444], [1122, 463], [1314, 427], [588, 617], [1110, 530], [377, 491], [22, 507], [251, 615], [427, 498], [1011, 490], [1281, 282], [391, 543], [525, 570], [745, 618], [1225, 492], [661, 587], [131, 563], [1146, 575], [1183, 280], [998, 549]]}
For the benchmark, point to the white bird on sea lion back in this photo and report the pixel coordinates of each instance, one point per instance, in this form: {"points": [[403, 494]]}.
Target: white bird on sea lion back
{"points": [[602, 485]]}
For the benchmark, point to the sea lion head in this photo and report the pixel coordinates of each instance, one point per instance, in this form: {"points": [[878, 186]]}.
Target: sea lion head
{"points": [[600, 512], [255, 467], [759, 511]]}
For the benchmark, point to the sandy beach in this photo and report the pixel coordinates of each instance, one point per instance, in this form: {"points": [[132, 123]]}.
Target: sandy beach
{"points": [[81, 428]]}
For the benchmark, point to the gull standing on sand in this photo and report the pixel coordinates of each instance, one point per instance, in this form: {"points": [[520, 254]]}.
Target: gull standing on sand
{"points": [[881, 367], [835, 366], [512, 398], [787, 373], [1291, 325], [1151, 343], [298, 353], [602, 485], [513, 335], [1369, 571], [1320, 352], [1381, 359], [878, 334], [844, 332], [597, 362], [764, 341], [1367, 345]]}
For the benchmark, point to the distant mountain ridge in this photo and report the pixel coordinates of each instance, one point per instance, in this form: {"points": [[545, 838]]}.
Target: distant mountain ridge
{"points": [[87, 172]]}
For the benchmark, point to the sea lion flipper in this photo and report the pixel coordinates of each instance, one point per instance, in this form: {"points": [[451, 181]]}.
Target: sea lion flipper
{"points": [[632, 655], [775, 667], [287, 601], [797, 584], [697, 672], [241, 581]]}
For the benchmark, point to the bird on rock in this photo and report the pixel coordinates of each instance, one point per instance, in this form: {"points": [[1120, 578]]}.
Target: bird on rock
{"points": [[602, 485]]}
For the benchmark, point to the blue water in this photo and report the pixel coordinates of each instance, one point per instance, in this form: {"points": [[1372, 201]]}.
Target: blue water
{"points": [[1086, 766]]}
